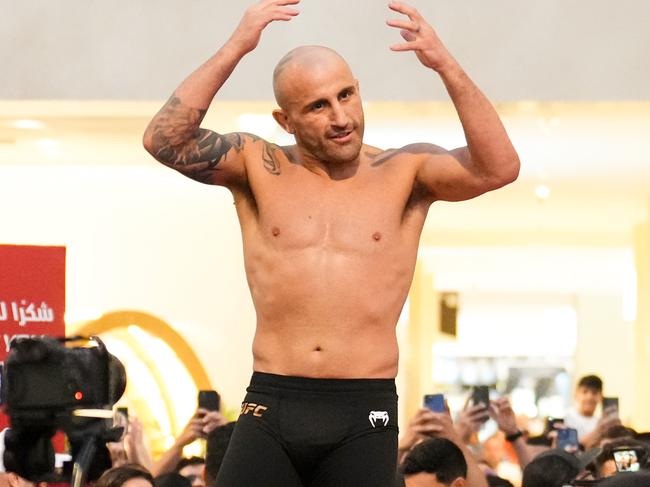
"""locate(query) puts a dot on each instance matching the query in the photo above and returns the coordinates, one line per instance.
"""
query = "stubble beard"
(329, 152)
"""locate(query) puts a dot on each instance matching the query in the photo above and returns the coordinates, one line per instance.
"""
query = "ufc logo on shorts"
(251, 407)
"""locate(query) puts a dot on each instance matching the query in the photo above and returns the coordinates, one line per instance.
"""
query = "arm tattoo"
(178, 140)
(422, 148)
(270, 162)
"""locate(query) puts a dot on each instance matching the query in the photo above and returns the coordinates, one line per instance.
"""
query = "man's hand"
(199, 426)
(192, 431)
(501, 411)
(211, 421)
(426, 424)
(257, 17)
(135, 445)
(470, 420)
(419, 428)
(420, 38)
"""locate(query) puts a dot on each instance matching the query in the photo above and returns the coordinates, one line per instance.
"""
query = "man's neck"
(332, 170)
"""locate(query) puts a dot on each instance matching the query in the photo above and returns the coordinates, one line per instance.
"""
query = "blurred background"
(525, 289)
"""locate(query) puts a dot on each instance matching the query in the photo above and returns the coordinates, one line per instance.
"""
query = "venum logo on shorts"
(376, 416)
(251, 407)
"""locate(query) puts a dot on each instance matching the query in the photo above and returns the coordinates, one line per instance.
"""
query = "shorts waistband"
(264, 379)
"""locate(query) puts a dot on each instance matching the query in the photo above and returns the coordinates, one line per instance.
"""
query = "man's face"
(587, 399)
(194, 473)
(425, 479)
(324, 111)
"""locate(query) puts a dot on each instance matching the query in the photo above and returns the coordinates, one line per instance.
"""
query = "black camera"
(43, 378)
(44, 385)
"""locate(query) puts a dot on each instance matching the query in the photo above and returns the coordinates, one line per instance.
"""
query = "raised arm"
(489, 161)
(174, 136)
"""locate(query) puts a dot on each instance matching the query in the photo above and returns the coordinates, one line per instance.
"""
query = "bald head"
(299, 61)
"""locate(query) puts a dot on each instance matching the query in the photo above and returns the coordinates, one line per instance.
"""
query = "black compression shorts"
(302, 432)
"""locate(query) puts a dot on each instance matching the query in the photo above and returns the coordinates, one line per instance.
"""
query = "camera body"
(42, 376)
(43, 383)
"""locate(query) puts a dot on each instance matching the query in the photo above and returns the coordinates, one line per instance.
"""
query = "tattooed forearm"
(177, 140)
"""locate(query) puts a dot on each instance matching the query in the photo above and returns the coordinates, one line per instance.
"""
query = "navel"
(275, 231)
(318, 349)
(376, 236)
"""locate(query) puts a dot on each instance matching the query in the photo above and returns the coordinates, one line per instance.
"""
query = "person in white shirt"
(582, 417)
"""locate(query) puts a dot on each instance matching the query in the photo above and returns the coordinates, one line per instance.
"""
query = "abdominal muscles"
(328, 312)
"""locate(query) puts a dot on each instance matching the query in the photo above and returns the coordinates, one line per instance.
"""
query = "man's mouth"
(342, 137)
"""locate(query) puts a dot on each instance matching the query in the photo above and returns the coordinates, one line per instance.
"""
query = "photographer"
(129, 475)
(427, 424)
(604, 465)
(199, 426)
(501, 411)
(10, 479)
(582, 417)
(132, 448)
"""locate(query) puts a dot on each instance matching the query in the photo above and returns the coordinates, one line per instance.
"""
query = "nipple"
(376, 236)
(275, 231)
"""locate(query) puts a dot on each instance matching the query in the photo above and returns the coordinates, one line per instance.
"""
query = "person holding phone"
(591, 427)
(427, 424)
(200, 425)
(330, 231)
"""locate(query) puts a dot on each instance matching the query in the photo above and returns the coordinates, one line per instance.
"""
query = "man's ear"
(459, 482)
(13, 480)
(283, 121)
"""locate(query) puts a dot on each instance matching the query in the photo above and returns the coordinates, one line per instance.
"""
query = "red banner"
(32, 294)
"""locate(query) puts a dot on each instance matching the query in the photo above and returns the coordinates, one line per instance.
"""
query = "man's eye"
(346, 94)
(317, 106)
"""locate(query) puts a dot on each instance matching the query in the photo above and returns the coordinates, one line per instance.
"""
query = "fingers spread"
(404, 24)
(282, 2)
(407, 46)
(403, 9)
(288, 11)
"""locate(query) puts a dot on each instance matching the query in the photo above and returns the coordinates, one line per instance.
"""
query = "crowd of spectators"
(435, 449)
(607, 453)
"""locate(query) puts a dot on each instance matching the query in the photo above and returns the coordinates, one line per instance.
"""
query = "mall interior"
(526, 289)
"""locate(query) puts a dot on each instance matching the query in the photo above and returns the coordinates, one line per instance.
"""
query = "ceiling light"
(29, 124)
(542, 192)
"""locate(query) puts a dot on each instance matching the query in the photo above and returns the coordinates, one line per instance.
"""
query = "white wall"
(545, 50)
(606, 347)
(142, 238)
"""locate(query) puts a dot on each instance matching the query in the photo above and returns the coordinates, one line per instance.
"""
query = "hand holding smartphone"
(567, 440)
(610, 406)
(481, 395)
(553, 424)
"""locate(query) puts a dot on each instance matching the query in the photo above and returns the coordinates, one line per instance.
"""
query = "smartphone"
(626, 459)
(567, 440)
(610, 402)
(435, 402)
(209, 400)
(481, 395)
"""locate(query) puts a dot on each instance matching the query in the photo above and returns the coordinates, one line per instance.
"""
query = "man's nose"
(339, 117)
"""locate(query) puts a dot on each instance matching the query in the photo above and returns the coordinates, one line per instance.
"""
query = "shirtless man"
(330, 232)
